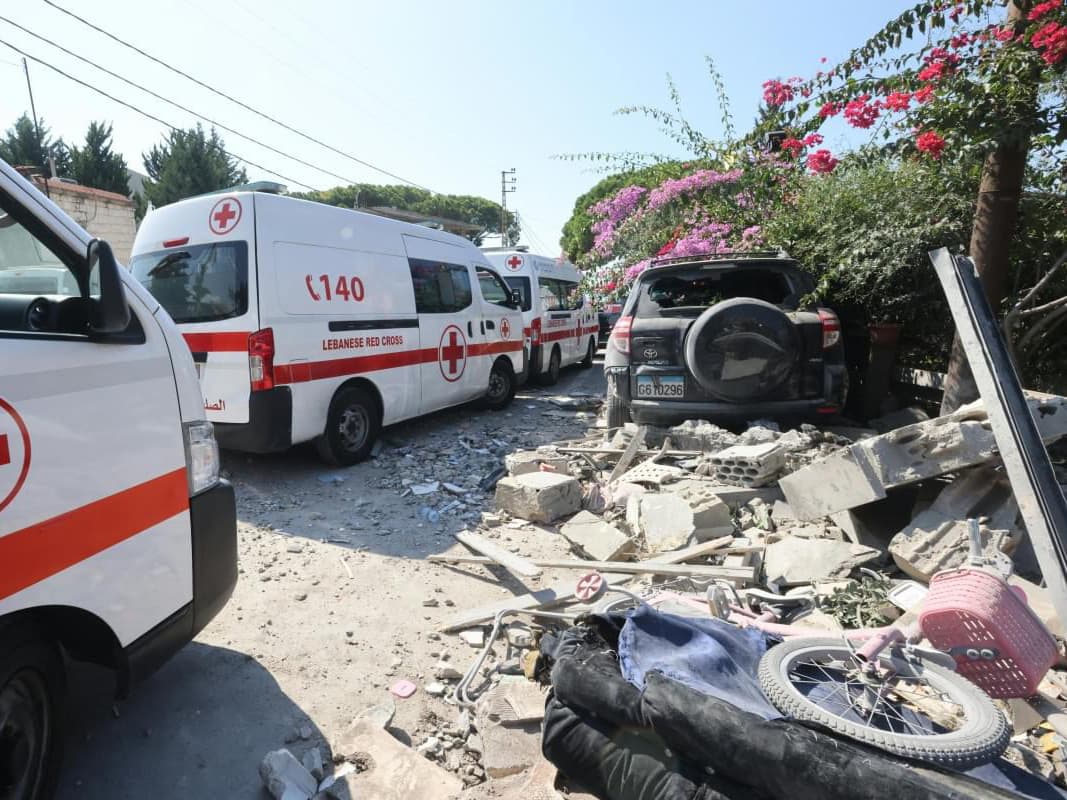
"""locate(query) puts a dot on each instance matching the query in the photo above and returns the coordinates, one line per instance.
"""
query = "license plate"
(660, 386)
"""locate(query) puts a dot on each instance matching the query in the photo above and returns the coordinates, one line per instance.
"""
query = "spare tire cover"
(742, 349)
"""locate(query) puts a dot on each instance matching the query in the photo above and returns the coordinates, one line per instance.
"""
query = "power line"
(146, 114)
(234, 99)
(187, 110)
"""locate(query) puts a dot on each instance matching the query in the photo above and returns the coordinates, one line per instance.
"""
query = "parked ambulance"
(118, 541)
(560, 323)
(309, 322)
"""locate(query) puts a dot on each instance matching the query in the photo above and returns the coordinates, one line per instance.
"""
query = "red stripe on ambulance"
(40, 551)
(222, 342)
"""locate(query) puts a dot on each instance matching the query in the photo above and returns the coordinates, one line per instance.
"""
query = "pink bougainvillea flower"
(829, 110)
(1004, 34)
(792, 146)
(635, 270)
(898, 101)
(813, 139)
(776, 93)
(860, 113)
(1041, 9)
(674, 188)
(961, 40)
(822, 162)
(822, 60)
(1051, 40)
(930, 143)
(954, 14)
(923, 95)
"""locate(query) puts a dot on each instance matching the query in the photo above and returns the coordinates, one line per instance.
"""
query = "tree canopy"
(20, 146)
(96, 164)
(187, 163)
(464, 208)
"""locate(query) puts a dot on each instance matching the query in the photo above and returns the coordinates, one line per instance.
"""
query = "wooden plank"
(648, 567)
(510, 561)
(629, 454)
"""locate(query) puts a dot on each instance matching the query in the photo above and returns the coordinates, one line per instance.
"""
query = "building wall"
(104, 217)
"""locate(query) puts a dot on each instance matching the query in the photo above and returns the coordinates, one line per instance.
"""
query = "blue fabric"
(706, 654)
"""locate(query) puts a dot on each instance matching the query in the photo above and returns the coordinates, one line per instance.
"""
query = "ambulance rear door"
(198, 259)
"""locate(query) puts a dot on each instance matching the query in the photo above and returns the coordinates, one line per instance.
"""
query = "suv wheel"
(618, 413)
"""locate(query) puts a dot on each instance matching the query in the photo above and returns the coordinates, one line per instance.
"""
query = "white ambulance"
(309, 322)
(118, 541)
(560, 323)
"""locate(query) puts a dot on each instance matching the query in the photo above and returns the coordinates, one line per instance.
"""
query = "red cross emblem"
(505, 328)
(589, 586)
(452, 354)
(14, 453)
(514, 262)
(224, 216)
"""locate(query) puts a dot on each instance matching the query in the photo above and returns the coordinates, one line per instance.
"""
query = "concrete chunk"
(749, 464)
(595, 538)
(712, 518)
(666, 521)
(523, 462)
(793, 561)
(285, 777)
(539, 496)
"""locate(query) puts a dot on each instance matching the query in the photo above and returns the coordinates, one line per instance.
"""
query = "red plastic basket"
(999, 644)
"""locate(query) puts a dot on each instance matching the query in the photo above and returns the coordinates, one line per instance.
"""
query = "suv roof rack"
(729, 255)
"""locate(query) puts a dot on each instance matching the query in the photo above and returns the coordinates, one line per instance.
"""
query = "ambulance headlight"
(201, 456)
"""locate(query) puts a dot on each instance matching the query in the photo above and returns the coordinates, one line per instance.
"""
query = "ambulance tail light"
(620, 334)
(201, 456)
(535, 331)
(261, 359)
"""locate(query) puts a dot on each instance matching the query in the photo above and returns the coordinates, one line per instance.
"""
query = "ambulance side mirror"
(110, 312)
(516, 298)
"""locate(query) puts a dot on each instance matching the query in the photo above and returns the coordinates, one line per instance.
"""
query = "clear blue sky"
(444, 94)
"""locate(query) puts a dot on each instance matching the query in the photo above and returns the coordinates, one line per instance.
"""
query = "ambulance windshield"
(199, 283)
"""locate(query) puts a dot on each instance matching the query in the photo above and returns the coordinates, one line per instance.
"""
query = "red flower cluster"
(829, 110)
(897, 101)
(792, 146)
(961, 40)
(923, 95)
(1041, 9)
(939, 63)
(860, 113)
(812, 139)
(776, 93)
(931, 143)
(1051, 40)
(1004, 34)
(822, 162)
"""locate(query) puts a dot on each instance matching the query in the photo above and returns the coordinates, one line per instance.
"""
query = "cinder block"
(539, 496)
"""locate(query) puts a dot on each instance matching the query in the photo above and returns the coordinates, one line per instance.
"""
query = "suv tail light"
(620, 334)
(261, 359)
(831, 328)
(535, 331)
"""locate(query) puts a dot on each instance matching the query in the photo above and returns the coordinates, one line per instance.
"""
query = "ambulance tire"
(352, 426)
(502, 386)
(551, 374)
(590, 354)
(33, 691)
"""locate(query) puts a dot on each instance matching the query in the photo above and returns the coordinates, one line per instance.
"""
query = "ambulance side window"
(440, 288)
(494, 290)
(550, 298)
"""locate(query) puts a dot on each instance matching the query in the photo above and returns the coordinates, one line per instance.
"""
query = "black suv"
(725, 338)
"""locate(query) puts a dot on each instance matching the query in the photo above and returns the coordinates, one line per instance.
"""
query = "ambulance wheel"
(590, 353)
(502, 385)
(32, 692)
(551, 375)
(351, 427)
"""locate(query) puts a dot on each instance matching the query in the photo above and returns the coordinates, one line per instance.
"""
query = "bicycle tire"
(982, 736)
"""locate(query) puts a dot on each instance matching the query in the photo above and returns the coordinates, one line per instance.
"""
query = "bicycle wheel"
(916, 710)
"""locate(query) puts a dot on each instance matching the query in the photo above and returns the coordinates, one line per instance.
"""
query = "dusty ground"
(328, 612)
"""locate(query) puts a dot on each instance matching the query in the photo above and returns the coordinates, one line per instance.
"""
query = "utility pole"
(507, 185)
(36, 125)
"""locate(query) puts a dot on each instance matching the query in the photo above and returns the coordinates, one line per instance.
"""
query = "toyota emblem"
(651, 353)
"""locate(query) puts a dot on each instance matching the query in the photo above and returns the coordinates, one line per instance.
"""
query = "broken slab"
(733, 496)
(285, 777)
(539, 496)
(523, 462)
(652, 473)
(864, 472)
(666, 521)
(793, 561)
(712, 518)
(597, 539)
(392, 771)
(698, 434)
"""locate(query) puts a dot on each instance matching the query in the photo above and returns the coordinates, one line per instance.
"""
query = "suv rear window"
(201, 283)
(692, 291)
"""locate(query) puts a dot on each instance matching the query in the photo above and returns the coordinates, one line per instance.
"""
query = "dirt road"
(333, 605)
